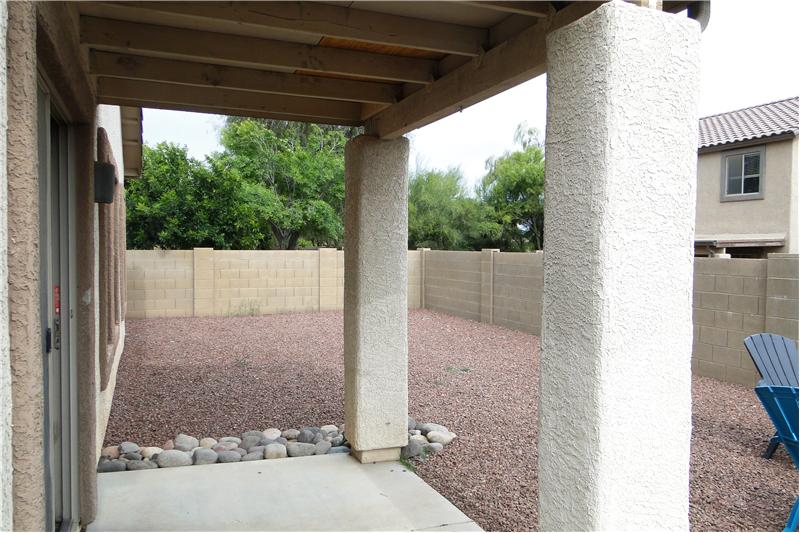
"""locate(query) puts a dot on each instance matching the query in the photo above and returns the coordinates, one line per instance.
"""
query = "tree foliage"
(514, 188)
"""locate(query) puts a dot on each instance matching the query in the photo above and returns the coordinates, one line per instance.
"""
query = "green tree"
(443, 217)
(514, 188)
(180, 203)
(296, 176)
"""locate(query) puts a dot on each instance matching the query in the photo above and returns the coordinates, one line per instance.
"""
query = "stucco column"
(615, 406)
(375, 303)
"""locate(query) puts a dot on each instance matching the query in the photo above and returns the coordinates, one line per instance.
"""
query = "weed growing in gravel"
(243, 361)
(458, 370)
(407, 464)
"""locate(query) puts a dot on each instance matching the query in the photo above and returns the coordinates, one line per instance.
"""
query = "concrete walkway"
(325, 493)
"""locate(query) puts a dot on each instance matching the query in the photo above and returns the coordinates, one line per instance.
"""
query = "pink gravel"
(222, 376)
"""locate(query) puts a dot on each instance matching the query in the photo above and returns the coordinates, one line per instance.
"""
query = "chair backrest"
(781, 404)
(775, 358)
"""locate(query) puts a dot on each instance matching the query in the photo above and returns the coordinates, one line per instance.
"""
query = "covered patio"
(621, 156)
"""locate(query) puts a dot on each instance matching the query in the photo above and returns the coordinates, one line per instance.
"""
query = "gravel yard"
(220, 376)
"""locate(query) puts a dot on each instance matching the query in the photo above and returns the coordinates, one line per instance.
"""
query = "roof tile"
(761, 121)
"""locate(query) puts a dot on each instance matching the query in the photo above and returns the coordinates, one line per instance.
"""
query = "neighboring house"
(747, 184)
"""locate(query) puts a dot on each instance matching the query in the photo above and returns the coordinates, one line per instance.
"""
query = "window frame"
(724, 196)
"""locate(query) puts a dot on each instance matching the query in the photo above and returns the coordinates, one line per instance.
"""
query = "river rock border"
(272, 443)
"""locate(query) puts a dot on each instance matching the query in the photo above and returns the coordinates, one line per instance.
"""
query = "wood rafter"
(307, 18)
(110, 64)
(530, 9)
(245, 51)
(148, 93)
(519, 59)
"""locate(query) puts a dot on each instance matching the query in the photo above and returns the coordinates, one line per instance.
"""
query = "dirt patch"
(220, 376)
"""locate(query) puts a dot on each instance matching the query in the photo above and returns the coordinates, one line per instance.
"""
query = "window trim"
(724, 196)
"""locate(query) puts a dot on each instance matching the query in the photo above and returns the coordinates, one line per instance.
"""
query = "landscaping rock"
(412, 449)
(204, 456)
(229, 456)
(252, 433)
(290, 434)
(419, 438)
(426, 428)
(281, 440)
(251, 440)
(322, 447)
(440, 437)
(112, 452)
(257, 449)
(113, 465)
(300, 449)
(275, 451)
(149, 451)
(306, 435)
(329, 428)
(208, 442)
(272, 433)
(141, 465)
(264, 441)
(415, 432)
(253, 456)
(185, 443)
(133, 456)
(241, 451)
(412, 424)
(337, 441)
(128, 447)
(237, 440)
(225, 446)
(433, 447)
(173, 458)
(339, 449)
(169, 445)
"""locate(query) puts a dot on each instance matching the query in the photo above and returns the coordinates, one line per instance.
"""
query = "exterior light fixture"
(105, 182)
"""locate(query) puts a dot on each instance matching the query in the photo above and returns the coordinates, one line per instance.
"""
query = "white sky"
(748, 54)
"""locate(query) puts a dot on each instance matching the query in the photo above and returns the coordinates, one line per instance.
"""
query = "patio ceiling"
(390, 66)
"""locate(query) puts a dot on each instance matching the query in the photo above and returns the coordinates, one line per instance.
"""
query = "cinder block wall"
(207, 282)
(729, 304)
(453, 283)
(517, 292)
(782, 290)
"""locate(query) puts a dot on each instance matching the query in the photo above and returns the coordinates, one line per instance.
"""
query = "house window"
(742, 174)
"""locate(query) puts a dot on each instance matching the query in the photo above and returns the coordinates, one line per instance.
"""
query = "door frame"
(60, 395)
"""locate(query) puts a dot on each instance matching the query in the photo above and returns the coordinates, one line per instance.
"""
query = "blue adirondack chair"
(781, 404)
(775, 358)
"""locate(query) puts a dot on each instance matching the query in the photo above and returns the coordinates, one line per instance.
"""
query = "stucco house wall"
(776, 212)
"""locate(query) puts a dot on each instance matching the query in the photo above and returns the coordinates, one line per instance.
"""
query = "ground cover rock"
(412, 449)
(149, 451)
(241, 451)
(440, 437)
(185, 443)
(412, 424)
(208, 442)
(225, 446)
(133, 456)
(300, 449)
(337, 441)
(112, 452)
(272, 433)
(251, 440)
(112, 465)
(237, 440)
(145, 464)
(322, 447)
(329, 428)
(274, 451)
(257, 449)
(128, 447)
(433, 447)
(173, 458)
(252, 433)
(306, 435)
(339, 449)
(257, 456)
(229, 456)
(290, 434)
(204, 456)
(419, 438)
(426, 428)
(169, 445)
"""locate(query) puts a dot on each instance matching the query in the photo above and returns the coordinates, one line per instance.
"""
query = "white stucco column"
(615, 407)
(375, 302)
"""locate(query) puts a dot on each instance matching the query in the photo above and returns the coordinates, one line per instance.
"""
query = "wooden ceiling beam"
(147, 93)
(309, 18)
(530, 9)
(245, 51)
(110, 64)
(517, 60)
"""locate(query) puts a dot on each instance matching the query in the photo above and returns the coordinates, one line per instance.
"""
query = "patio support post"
(615, 405)
(375, 302)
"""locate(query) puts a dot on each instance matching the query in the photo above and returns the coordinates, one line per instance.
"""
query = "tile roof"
(761, 121)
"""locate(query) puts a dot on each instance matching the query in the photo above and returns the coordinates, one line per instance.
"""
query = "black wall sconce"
(105, 182)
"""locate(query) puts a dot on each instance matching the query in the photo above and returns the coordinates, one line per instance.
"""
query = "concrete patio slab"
(325, 493)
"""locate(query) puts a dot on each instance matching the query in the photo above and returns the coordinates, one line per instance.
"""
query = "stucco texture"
(23, 270)
(776, 212)
(619, 221)
(6, 467)
(375, 287)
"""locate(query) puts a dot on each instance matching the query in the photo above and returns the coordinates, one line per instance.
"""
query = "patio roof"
(389, 66)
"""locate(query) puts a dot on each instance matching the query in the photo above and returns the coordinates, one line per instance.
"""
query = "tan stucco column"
(615, 386)
(375, 302)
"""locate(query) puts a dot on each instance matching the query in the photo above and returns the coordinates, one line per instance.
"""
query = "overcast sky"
(748, 57)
